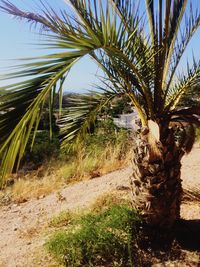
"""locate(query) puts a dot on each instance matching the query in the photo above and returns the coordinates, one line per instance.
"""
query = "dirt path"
(20, 224)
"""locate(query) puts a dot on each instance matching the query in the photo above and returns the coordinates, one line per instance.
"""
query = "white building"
(126, 121)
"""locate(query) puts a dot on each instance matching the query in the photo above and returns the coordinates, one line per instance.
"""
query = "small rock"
(122, 188)
(15, 229)
(95, 174)
(15, 211)
(10, 182)
(22, 200)
(41, 197)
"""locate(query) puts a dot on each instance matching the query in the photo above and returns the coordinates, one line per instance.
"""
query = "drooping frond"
(191, 98)
(124, 48)
(49, 20)
(21, 106)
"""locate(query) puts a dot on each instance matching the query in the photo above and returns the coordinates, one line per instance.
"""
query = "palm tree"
(141, 60)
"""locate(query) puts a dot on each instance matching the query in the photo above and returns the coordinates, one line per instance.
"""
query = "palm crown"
(138, 60)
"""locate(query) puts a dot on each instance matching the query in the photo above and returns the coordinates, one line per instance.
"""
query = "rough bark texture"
(156, 181)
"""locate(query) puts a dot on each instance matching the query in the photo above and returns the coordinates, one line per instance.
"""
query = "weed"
(59, 196)
(107, 237)
(65, 218)
(106, 200)
(5, 199)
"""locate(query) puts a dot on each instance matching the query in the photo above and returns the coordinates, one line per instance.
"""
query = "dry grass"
(30, 233)
(64, 219)
(106, 200)
(31, 186)
(55, 174)
(40, 257)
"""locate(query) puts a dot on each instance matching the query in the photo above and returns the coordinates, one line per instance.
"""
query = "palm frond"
(192, 23)
(121, 44)
(151, 16)
(20, 109)
(176, 15)
(81, 115)
(185, 83)
(48, 19)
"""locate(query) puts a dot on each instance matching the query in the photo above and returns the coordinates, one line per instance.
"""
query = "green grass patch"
(94, 239)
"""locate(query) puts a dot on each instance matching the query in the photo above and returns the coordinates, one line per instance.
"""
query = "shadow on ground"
(161, 247)
(187, 234)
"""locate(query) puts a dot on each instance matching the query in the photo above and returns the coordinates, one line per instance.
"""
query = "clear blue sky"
(16, 39)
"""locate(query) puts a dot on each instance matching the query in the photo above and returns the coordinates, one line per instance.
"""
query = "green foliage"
(119, 106)
(43, 149)
(105, 134)
(191, 98)
(108, 237)
(45, 123)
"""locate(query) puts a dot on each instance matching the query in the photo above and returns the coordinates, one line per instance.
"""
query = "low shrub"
(42, 150)
(107, 238)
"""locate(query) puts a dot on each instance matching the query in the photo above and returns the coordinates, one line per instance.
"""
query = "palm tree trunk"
(156, 183)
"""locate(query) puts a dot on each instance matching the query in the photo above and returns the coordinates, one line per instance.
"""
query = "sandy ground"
(21, 224)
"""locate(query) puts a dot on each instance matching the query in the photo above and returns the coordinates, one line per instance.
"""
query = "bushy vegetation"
(106, 149)
(120, 105)
(43, 150)
(97, 238)
(106, 135)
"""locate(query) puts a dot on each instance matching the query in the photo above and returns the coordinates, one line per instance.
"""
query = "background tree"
(138, 61)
